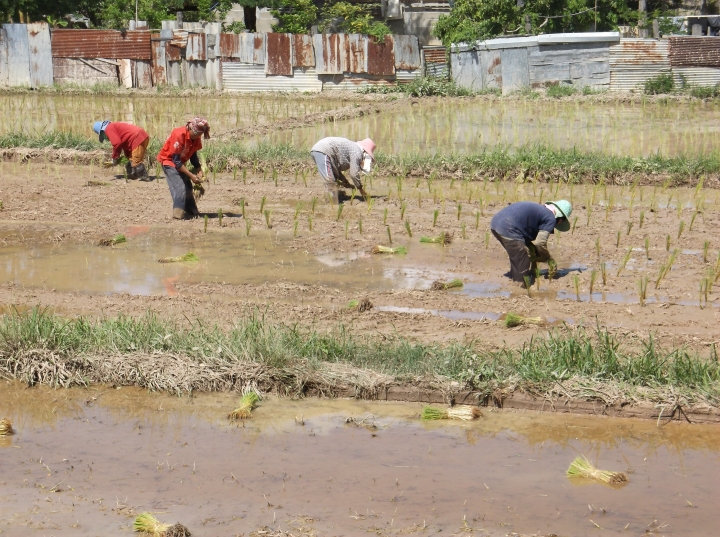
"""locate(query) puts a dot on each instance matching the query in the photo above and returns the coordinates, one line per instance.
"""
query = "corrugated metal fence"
(598, 60)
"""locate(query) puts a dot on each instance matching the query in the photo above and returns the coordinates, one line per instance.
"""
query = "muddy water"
(83, 461)
(470, 127)
(34, 114)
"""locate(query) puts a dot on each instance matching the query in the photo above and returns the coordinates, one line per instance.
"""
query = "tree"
(353, 19)
(296, 16)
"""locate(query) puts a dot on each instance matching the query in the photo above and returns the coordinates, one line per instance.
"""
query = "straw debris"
(6, 427)
(187, 257)
(582, 467)
(459, 412)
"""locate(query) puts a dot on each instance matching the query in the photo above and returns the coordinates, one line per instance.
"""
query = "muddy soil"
(52, 221)
(85, 462)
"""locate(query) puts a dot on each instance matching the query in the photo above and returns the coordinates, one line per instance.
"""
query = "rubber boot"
(140, 172)
(129, 171)
(179, 214)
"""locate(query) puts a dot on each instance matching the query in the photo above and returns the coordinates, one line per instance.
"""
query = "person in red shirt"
(131, 140)
(182, 145)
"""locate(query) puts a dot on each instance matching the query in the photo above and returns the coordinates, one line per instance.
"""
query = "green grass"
(560, 90)
(421, 87)
(53, 139)
(38, 347)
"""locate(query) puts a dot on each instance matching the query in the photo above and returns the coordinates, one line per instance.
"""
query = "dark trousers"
(181, 191)
(521, 265)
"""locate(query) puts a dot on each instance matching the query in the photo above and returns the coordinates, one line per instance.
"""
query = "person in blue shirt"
(523, 228)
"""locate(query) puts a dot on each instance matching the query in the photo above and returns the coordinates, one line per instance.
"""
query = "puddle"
(82, 458)
(472, 126)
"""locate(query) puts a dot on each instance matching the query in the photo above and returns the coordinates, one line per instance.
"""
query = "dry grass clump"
(513, 319)
(177, 530)
(361, 305)
(459, 412)
(379, 249)
(147, 523)
(444, 238)
(117, 239)
(187, 257)
(452, 284)
(581, 467)
(6, 427)
(244, 409)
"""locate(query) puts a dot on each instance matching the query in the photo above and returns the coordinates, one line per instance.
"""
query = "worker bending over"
(335, 155)
(131, 140)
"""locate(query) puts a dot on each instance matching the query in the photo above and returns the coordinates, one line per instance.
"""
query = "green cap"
(565, 208)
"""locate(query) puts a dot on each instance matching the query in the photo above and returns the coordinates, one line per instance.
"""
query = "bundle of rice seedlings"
(6, 427)
(187, 257)
(452, 284)
(244, 409)
(581, 467)
(513, 319)
(147, 523)
(117, 239)
(198, 191)
(361, 305)
(444, 238)
(459, 412)
(379, 249)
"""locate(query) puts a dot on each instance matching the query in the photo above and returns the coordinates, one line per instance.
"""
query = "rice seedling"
(629, 227)
(419, 201)
(603, 273)
(624, 261)
(477, 220)
(589, 214)
(642, 289)
(552, 269)
(298, 208)
(97, 183)
(667, 243)
(205, 223)
(267, 214)
(313, 203)
(706, 246)
(262, 204)
(573, 225)
(198, 191)
(389, 234)
(310, 222)
(245, 177)
(147, 523)
(705, 284)
(436, 213)
(275, 177)
(6, 427)
(444, 238)
(220, 217)
(189, 257)
(459, 412)
(462, 230)
(459, 210)
(593, 279)
(528, 285)
(642, 219)
(681, 227)
(482, 207)
(692, 220)
(360, 226)
(235, 170)
(581, 467)
(248, 225)
(576, 285)
(513, 319)
(244, 409)
(407, 228)
(487, 240)
(117, 239)
(346, 229)
(339, 212)
(452, 284)
(295, 228)
(379, 249)
(385, 213)
(370, 206)
(617, 240)
(403, 208)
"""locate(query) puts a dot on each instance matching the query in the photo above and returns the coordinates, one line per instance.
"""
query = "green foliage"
(296, 16)
(234, 27)
(117, 13)
(660, 84)
(421, 87)
(705, 92)
(353, 19)
(560, 90)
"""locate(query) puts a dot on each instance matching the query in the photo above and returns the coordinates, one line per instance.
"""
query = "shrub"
(660, 84)
(560, 90)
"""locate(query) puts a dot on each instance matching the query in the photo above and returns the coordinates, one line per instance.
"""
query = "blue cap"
(99, 128)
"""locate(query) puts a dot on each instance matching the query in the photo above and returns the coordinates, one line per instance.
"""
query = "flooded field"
(33, 114)
(469, 127)
(85, 462)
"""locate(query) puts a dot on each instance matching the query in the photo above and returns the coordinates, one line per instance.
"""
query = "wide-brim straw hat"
(368, 146)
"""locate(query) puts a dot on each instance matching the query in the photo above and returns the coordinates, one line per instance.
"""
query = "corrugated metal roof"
(243, 77)
(279, 54)
(329, 53)
(579, 37)
(407, 52)
(303, 51)
(356, 53)
(134, 45)
(196, 47)
(634, 61)
(696, 76)
(380, 56)
(695, 51)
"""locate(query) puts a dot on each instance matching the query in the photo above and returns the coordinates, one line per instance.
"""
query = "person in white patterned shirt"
(335, 155)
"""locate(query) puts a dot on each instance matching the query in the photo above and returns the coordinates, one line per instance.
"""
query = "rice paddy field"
(112, 361)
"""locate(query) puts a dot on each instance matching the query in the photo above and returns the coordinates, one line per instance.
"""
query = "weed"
(560, 90)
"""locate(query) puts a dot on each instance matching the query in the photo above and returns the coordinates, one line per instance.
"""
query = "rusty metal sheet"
(356, 53)
(134, 45)
(229, 45)
(634, 61)
(303, 51)
(3, 57)
(142, 70)
(159, 67)
(41, 73)
(196, 47)
(694, 51)
(259, 55)
(18, 55)
(407, 52)
(179, 38)
(381, 56)
(279, 54)
(435, 55)
(329, 53)
(247, 47)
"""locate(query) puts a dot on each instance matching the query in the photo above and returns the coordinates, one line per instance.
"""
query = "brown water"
(83, 461)
(470, 127)
(33, 114)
